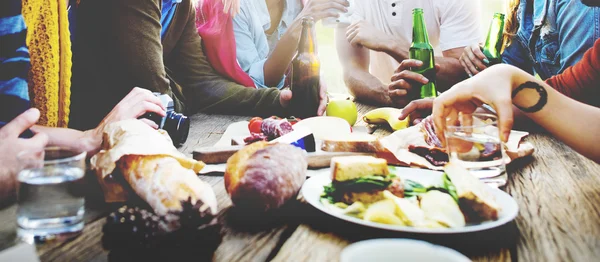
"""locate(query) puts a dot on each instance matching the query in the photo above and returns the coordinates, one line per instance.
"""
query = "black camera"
(177, 125)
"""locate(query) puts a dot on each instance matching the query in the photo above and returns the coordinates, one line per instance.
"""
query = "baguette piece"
(475, 199)
(353, 142)
(353, 167)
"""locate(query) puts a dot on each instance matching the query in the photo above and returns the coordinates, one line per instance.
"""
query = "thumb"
(437, 67)
(505, 119)
(285, 96)
(21, 123)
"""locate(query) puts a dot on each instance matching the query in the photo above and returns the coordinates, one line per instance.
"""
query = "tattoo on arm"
(542, 99)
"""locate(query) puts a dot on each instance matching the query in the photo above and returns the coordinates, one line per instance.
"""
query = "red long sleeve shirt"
(581, 81)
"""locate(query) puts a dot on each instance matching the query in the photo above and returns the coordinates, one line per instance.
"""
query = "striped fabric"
(14, 61)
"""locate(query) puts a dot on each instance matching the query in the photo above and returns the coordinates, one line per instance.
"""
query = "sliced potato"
(382, 212)
(442, 208)
(355, 209)
(406, 210)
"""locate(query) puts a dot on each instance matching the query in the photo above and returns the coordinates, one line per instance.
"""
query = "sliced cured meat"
(435, 156)
(273, 128)
(255, 137)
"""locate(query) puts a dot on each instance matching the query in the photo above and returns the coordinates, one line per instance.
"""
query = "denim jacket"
(552, 35)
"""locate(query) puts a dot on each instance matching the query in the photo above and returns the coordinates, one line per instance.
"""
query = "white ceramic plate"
(388, 250)
(313, 188)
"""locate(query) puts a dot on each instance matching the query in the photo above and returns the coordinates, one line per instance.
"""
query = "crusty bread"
(352, 167)
(353, 142)
(476, 200)
(363, 197)
(263, 176)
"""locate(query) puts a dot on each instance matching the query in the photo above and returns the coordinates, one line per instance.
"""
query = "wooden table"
(558, 192)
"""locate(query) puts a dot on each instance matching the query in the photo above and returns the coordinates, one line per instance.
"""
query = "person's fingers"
(21, 123)
(37, 142)
(476, 61)
(469, 65)
(505, 117)
(354, 39)
(410, 76)
(462, 63)
(408, 109)
(320, 15)
(439, 117)
(397, 93)
(149, 122)
(479, 54)
(139, 94)
(437, 67)
(407, 64)
(285, 96)
(147, 107)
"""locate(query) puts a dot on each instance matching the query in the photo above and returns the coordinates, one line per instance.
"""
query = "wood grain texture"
(557, 191)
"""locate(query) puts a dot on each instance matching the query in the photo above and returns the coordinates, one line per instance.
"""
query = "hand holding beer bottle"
(476, 58)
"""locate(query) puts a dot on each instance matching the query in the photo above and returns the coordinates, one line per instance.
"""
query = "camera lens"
(178, 127)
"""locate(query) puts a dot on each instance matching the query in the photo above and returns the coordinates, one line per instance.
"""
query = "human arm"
(355, 65)
(540, 102)
(138, 102)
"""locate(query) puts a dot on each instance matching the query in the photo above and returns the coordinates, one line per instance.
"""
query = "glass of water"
(343, 20)
(473, 141)
(50, 195)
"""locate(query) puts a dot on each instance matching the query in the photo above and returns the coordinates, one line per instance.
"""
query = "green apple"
(345, 109)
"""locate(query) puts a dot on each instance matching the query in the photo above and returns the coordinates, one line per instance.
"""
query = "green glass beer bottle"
(493, 43)
(420, 49)
(305, 84)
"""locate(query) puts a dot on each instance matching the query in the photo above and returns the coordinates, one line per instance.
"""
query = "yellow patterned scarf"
(48, 40)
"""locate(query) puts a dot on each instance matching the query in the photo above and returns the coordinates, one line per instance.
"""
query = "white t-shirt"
(450, 24)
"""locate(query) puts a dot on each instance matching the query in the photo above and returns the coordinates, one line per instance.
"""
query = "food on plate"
(366, 188)
(361, 179)
(264, 176)
(352, 142)
(387, 115)
(267, 129)
(343, 108)
(158, 173)
(475, 199)
(441, 208)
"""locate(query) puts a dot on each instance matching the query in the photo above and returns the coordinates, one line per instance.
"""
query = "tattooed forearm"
(531, 104)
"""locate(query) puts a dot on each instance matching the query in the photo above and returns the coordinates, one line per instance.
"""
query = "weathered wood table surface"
(557, 190)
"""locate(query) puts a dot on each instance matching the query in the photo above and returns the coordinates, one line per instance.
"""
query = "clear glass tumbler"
(473, 141)
(50, 195)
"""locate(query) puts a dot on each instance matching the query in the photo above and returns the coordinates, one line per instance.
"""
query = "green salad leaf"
(335, 190)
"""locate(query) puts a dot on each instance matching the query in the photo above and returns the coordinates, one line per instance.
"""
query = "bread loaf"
(264, 176)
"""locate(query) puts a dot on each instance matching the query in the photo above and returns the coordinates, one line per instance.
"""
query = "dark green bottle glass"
(493, 43)
(421, 49)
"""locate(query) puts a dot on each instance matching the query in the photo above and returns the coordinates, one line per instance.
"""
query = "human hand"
(138, 102)
(320, 9)
(362, 33)
(417, 110)
(11, 145)
(473, 60)
(405, 83)
(465, 97)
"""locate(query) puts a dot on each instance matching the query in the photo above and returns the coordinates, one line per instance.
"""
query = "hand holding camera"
(177, 125)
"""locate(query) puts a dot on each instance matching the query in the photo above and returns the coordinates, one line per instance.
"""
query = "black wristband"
(541, 91)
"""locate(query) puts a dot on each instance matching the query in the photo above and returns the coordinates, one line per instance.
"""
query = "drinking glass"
(473, 141)
(50, 196)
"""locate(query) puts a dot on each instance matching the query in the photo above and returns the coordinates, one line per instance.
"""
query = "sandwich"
(474, 197)
(361, 179)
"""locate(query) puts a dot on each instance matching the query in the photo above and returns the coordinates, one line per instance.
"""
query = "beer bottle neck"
(493, 42)
(307, 43)
(419, 28)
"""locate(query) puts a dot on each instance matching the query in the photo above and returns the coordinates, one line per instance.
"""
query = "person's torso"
(394, 17)
(556, 33)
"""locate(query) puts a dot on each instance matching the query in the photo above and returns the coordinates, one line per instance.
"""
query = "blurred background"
(331, 71)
